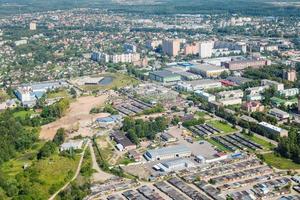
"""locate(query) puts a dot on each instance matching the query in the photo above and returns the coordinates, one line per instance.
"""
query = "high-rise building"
(32, 26)
(206, 49)
(290, 75)
(171, 47)
(191, 49)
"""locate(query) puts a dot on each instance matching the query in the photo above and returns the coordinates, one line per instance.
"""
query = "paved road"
(76, 174)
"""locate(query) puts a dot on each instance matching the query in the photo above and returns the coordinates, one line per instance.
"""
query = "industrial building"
(71, 145)
(28, 94)
(203, 84)
(122, 141)
(105, 122)
(243, 64)
(277, 131)
(169, 152)
(279, 114)
(205, 96)
(185, 75)
(164, 76)
(207, 70)
(174, 165)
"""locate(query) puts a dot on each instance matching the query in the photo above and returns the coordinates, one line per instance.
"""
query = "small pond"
(106, 80)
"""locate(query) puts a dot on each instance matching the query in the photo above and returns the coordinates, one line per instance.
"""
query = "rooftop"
(164, 73)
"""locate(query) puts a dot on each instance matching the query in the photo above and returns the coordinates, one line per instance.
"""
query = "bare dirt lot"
(78, 115)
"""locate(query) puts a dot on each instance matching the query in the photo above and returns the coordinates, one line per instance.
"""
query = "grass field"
(61, 93)
(56, 170)
(119, 81)
(265, 144)
(279, 162)
(105, 148)
(22, 114)
(226, 128)
(52, 172)
(15, 166)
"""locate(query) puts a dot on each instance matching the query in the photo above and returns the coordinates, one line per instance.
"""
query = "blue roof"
(186, 64)
(108, 119)
(39, 94)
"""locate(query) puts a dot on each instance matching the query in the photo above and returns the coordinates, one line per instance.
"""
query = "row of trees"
(289, 147)
(137, 129)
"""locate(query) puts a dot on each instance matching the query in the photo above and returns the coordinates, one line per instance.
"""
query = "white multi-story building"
(171, 47)
(276, 85)
(203, 84)
(206, 49)
(230, 94)
(289, 92)
(205, 96)
(125, 58)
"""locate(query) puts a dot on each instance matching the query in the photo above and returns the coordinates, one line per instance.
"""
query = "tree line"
(137, 129)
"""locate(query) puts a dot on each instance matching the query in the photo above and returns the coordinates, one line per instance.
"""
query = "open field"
(22, 114)
(61, 93)
(15, 166)
(226, 128)
(119, 80)
(279, 162)
(56, 170)
(52, 172)
(78, 115)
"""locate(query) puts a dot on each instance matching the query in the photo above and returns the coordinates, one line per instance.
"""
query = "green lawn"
(226, 128)
(54, 170)
(201, 114)
(61, 93)
(22, 114)
(119, 81)
(125, 160)
(279, 162)
(265, 144)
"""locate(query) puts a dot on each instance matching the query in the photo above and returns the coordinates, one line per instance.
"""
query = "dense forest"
(289, 147)
(245, 7)
(137, 129)
(14, 136)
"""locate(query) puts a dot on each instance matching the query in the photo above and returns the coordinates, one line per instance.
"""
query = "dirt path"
(99, 175)
(78, 115)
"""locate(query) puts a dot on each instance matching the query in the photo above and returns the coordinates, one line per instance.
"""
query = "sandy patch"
(77, 116)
